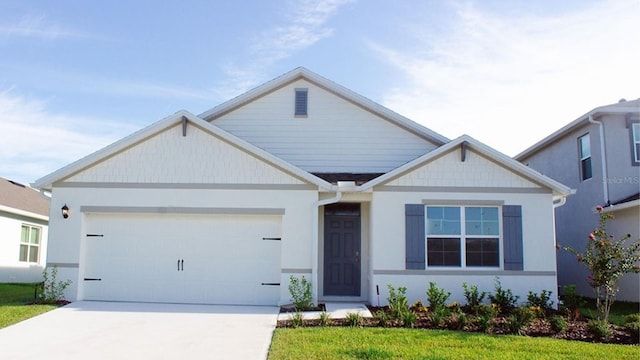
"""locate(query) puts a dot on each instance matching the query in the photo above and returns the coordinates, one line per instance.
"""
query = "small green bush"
(631, 318)
(558, 323)
(381, 317)
(437, 297)
(300, 290)
(438, 315)
(632, 324)
(543, 301)
(408, 318)
(599, 329)
(52, 289)
(485, 322)
(397, 302)
(297, 319)
(473, 296)
(504, 299)
(520, 317)
(456, 321)
(354, 319)
(324, 319)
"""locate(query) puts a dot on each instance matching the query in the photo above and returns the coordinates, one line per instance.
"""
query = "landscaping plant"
(398, 303)
(607, 260)
(300, 290)
(53, 289)
(572, 302)
(503, 299)
(473, 296)
(437, 297)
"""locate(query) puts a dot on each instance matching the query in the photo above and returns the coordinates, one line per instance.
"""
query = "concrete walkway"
(106, 330)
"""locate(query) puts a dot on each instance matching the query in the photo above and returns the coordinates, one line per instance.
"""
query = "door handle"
(182, 265)
(178, 264)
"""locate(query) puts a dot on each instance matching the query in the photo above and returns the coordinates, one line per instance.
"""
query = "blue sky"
(78, 75)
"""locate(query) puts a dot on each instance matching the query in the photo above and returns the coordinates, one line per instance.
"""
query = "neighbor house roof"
(18, 198)
(46, 182)
(328, 85)
(558, 189)
(622, 107)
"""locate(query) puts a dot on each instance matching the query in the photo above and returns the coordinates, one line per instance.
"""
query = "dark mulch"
(290, 308)
(576, 330)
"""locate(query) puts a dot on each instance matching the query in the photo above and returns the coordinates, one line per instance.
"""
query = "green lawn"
(14, 300)
(395, 343)
(618, 310)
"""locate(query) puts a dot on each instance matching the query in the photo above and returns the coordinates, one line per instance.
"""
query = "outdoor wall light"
(65, 211)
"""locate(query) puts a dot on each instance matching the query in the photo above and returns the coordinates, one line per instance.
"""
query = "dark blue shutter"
(301, 102)
(414, 236)
(512, 235)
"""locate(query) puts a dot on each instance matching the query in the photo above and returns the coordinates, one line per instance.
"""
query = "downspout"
(603, 155)
(315, 240)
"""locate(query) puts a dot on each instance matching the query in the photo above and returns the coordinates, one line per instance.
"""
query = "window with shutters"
(635, 143)
(30, 243)
(301, 102)
(463, 236)
(584, 150)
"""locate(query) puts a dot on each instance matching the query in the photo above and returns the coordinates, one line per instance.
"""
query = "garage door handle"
(182, 265)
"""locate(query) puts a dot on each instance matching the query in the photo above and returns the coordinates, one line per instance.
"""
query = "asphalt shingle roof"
(18, 196)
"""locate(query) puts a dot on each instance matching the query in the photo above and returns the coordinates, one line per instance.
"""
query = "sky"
(77, 75)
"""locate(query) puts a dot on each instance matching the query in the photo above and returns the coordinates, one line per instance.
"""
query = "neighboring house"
(24, 216)
(298, 177)
(598, 154)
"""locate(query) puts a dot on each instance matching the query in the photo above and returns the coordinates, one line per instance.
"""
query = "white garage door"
(210, 259)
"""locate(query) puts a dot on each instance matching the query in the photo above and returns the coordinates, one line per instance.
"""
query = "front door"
(342, 250)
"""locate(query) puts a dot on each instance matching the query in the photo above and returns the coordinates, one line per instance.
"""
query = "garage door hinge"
(95, 235)
(271, 238)
(271, 284)
(92, 279)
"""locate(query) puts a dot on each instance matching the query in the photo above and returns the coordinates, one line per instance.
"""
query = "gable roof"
(47, 181)
(16, 196)
(559, 190)
(622, 107)
(328, 85)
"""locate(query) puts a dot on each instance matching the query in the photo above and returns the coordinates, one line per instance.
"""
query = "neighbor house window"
(301, 103)
(460, 236)
(584, 148)
(30, 244)
(635, 142)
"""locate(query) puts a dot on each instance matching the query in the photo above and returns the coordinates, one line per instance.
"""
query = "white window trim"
(28, 244)
(635, 129)
(462, 237)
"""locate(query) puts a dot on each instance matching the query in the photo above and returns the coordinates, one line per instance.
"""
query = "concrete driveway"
(112, 330)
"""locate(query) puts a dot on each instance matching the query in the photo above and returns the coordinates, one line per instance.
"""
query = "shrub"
(543, 301)
(438, 315)
(571, 301)
(297, 319)
(397, 301)
(558, 323)
(485, 321)
(354, 319)
(53, 290)
(473, 296)
(436, 297)
(599, 328)
(456, 321)
(503, 299)
(381, 317)
(520, 317)
(300, 290)
(632, 324)
(408, 318)
(324, 319)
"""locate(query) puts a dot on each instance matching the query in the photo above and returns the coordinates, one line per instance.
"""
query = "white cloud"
(39, 27)
(37, 142)
(511, 80)
(305, 24)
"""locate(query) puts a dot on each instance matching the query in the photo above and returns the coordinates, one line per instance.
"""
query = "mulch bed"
(576, 330)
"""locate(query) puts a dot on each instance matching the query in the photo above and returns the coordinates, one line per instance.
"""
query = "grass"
(618, 310)
(395, 343)
(14, 304)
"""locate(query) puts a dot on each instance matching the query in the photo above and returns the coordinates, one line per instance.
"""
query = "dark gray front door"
(342, 249)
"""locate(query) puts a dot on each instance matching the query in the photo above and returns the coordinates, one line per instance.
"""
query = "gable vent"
(302, 97)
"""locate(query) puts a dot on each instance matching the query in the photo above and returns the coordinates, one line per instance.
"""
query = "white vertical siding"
(336, 136)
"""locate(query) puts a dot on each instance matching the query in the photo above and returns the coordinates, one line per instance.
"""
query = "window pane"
(33, 254)
(586, 169)
(443, 252)
(25, 234)
(24, 249)
(443, 220)
(35, 235)
(637, 154)
(481, 221)
(636, 132)
(585, 147)
(482, 252)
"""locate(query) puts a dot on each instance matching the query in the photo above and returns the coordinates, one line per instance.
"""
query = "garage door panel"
(225, 258)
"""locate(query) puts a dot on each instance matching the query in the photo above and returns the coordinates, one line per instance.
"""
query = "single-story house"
(24, 219)
(298, 177)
